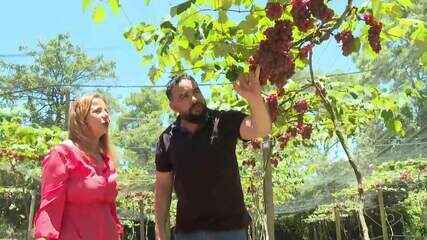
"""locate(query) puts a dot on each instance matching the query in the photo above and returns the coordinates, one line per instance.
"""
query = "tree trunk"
(363, 225)
(67, 108)
(343, 142)
(337, 223)
(268, 189)
(316, 236)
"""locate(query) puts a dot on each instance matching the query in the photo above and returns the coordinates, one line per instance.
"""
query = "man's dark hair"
(175, 80)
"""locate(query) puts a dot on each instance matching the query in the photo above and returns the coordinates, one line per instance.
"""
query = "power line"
(402, 144)
(90, 49)
(399, 144)
(125, 14)
(164, 86)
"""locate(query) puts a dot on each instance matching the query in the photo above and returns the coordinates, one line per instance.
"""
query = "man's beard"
(197, 118)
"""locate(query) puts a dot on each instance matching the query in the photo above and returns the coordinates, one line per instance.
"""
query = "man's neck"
(191, 127)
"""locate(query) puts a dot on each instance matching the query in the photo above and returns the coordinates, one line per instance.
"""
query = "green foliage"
(47, 85)
(139, 125)
(398, 177)
(22, 147)
(98, 8)
(13, 211)
(416, 209)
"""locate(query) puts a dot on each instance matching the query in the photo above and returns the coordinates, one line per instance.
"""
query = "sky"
(24, 23)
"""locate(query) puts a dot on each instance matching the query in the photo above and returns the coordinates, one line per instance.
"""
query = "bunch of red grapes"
(303, 53)
(274, 10)
(373, 32)
(348, 40)
(273, 106)
(301, 128)
(273, 54)
(303, 10)
(301, 106)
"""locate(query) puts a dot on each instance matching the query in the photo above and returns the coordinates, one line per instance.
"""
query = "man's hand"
(248, 85)
(162, 199)
(258, 124)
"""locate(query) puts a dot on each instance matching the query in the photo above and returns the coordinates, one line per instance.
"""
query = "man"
(196, 155)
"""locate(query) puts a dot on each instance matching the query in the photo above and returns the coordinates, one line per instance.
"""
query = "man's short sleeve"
(231, 121)
(163, 163)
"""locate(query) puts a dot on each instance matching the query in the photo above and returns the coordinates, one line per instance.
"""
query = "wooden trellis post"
(31, 215)
(382, 214)
(337, 223)
(141, 220)
(268, 188)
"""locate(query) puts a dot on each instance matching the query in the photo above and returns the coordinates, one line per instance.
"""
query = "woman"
(79, 188)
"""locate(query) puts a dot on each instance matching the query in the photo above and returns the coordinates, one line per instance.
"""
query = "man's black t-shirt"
(206, 175)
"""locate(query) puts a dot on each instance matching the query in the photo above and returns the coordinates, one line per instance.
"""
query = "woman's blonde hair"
(77, 124)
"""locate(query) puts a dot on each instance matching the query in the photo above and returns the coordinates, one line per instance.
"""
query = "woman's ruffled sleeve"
(48, 218)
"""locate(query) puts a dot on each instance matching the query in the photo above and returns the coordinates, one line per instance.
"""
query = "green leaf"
(233, 73)
(167, 25)
(405, 3)
(85, 5)
(249, 24)
(182, 42)
(224, 4)
(356, 45)
(199, 64)
(147, 2)
(419, 36)
(206, 29)
(354, 95)
(190, 34)
(222, 16)
(419, 85)
(398, 31)
(398, 128)
(147, 59)
(208, 75)
(387, 116)
(197, 52)
(180, 8)
(98, 15)
(376, 7)
(424, 60)
(154, 73)
(221, 49)
(114, 5)
(301, 63)
(392, 9)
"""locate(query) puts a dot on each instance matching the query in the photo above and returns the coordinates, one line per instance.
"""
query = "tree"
(138, 126)
(139, 123)
(48, 84)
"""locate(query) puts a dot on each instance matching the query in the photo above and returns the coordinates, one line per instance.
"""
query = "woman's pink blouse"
(78, 199)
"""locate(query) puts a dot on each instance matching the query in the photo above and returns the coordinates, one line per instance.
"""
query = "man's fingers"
(251, 77)
(240, 78)
(257, 71)
(243, 81)
(236, 86)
